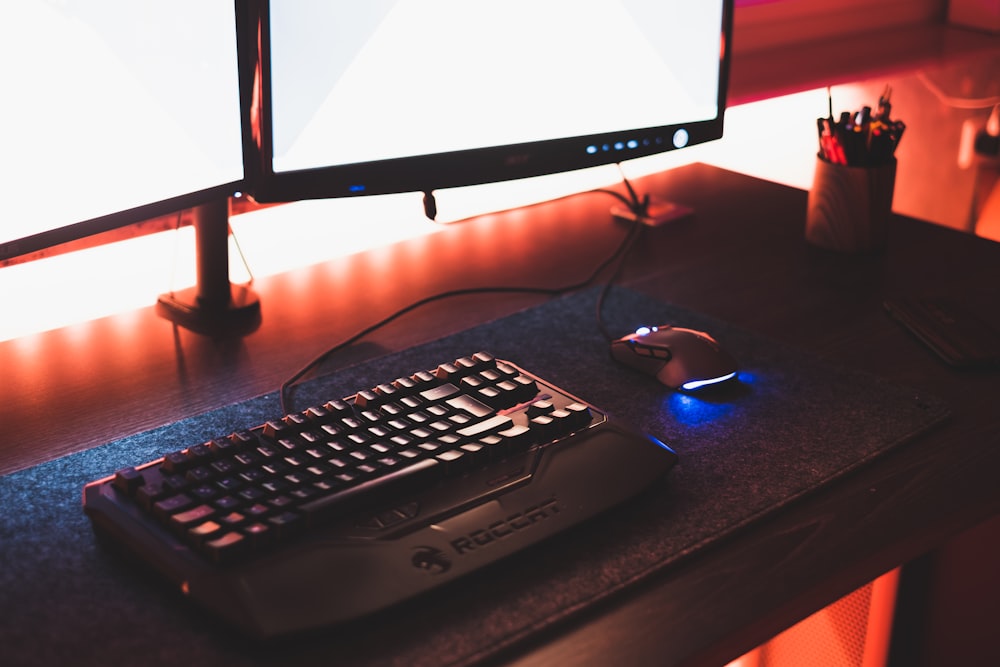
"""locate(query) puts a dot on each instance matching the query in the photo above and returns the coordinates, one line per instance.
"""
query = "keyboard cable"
(619, 255)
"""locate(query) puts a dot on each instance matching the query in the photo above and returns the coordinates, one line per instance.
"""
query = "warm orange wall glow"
(118, 277)
(772, 139)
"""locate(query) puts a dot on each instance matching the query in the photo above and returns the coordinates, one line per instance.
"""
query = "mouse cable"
(606, 288)
(619, 254)
(639, 207)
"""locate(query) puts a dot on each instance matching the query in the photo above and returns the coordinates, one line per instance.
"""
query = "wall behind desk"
(776, 138)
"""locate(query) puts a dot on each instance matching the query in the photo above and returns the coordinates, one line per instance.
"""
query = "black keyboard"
(350, 506)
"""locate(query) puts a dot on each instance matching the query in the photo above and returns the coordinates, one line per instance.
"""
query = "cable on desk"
(619, 255)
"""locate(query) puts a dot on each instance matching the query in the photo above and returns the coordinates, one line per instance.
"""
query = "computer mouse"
(679, 358)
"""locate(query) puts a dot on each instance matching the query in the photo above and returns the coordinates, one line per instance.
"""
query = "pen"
(884, 106)
(830, 147)
(866, 137)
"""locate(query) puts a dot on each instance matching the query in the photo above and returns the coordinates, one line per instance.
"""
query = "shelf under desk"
(741, 259)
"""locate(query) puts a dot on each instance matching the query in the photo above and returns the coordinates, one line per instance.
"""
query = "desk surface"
(741, 258)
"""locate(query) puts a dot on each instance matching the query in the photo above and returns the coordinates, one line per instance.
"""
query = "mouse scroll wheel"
(660, 353)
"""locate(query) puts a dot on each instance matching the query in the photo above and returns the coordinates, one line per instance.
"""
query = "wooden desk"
(741, 258)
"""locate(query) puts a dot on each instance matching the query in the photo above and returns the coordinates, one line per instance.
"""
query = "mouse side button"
(629, 354)
(660, 353)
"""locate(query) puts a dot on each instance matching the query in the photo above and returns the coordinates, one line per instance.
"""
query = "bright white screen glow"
(112, 104)
(354, 82)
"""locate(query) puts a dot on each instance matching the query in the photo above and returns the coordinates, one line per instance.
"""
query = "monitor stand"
(653, 213)
(214, 306)
(645, 210)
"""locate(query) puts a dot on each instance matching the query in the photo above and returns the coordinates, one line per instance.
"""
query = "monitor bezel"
(52, 241)
(431, 172)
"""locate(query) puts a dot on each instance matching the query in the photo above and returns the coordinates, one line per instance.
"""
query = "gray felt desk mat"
(798, 423)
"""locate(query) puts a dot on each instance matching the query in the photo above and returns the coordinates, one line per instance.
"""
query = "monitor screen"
(413, 95)
(114, 111)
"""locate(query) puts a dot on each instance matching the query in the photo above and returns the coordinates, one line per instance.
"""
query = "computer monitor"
(115, 112)
(359, 98)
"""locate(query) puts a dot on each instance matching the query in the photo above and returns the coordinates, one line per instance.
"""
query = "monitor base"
(237, 317)
(214, 306)
(653, 214)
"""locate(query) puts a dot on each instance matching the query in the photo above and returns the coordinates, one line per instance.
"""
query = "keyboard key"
(285, 523)
(454, 461)
(201, 532)
(544, 427)
(581, 415)
(175, 462)
(243, 439)
(439, 393)
(338, 408)
(128, 480)
(260, 534)
(200, 454)
(540, 408)
(226, 547)
(484, 359)
(172, 504)
(231, 520)
(470, 405)
(223, 446)
(187, 518)
(491, 425)
(517, 438)
(448, 371)
(367, 398)
(275, 429)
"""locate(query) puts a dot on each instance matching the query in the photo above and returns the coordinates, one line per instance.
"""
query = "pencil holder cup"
(850, 206)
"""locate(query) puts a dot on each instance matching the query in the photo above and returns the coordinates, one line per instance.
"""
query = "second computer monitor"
(406, 95)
